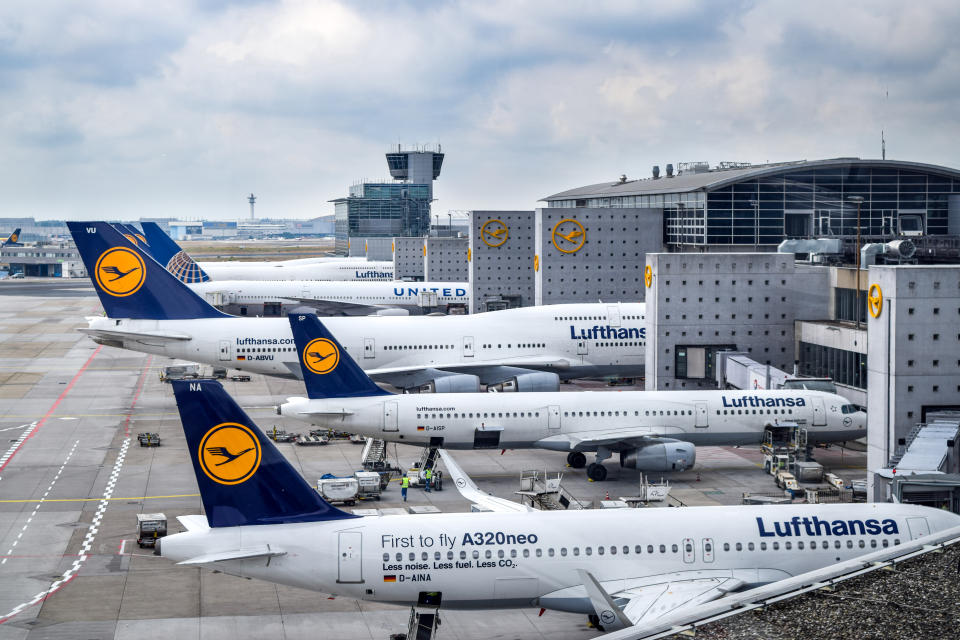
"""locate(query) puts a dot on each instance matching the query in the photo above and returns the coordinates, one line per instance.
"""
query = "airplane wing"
(640, 604)
(469, 490)
(263, 551)
(614, 439)
(135, 335)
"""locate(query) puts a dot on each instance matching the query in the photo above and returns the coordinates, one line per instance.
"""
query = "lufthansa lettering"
(608, 333)
(816, 527)
(757, 401)
(380, 275)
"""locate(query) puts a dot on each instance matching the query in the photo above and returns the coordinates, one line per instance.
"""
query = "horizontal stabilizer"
(136, 335)
(193, 522)
(239, 554)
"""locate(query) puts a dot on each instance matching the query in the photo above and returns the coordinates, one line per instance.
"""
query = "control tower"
(386, 209)
(417, 165)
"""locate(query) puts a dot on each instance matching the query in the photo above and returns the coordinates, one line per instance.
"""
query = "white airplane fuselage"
(545, 338)
(563, 421)
(503, 560)
(233, 294)
(340, 269)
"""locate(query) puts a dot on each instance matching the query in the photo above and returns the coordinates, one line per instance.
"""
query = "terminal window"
(697, 361)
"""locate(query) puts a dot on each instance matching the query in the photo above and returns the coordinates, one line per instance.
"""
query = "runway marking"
(40, 503)
(8, 456)
(23, 426)
(177, 495)
(88, 539)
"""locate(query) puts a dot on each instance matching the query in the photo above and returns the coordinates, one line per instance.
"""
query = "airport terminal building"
(744, 207)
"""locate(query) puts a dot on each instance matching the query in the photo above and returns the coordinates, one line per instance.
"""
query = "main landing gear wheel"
(576, 460)
(597, 472)
(594, 621)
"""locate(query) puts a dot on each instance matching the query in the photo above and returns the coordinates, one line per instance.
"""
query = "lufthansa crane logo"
(131, 238)
(494, 233)
(14, 237)
(120, 271)
(648, 276)
(875, 300)
(229, 453)
(568, 236)
(321, 356)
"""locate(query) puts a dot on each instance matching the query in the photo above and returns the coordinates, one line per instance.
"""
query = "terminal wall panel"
(500, 259)
(594, 254)
(700, 303)
(408, 258)
(913, 361)
(371, 248)
(445, 260)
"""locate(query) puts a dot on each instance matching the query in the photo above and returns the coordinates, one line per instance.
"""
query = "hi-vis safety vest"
(428, 474)
(405, 483)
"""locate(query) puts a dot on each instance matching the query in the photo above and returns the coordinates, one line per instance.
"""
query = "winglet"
(469, 489)
(610, 615)
(243, 478)
(328, 370)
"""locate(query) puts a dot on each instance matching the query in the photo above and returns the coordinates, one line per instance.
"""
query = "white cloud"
(113, 110)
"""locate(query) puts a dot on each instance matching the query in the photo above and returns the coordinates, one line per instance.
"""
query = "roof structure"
(717, 178)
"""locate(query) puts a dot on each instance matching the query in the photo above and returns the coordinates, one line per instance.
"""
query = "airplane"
(12, 239)
(620, 567)
(329, 297)
(649, 430)
(168, 253)
(526, 349)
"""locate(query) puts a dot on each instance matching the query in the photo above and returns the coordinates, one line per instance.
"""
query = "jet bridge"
(737, 370)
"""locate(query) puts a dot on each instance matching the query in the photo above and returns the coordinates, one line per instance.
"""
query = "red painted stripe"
(136, 395)
(53, 408)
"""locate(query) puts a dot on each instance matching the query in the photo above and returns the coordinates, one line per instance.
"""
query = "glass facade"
(841, 366)
(382, 210)
(798, 203)
(845, 303)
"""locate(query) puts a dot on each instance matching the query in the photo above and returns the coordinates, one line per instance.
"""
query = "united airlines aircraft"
(619, 566)
(649, 430)
(261, 297)
(529, 349)
(168, 253)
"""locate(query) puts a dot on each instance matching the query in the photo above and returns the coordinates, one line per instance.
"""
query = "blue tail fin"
(136, 238)
(328, 370)
(131, 284)
(170, 255)
(243, 479)
(13, 239)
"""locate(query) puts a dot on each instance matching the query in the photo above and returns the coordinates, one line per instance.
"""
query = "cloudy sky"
(173, 108)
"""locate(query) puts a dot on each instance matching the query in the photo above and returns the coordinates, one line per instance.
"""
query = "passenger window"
(787, 546)
(726, 546)
(750, 546)
(800, 544)
(436, 555)
(600, 551)
(539, 553)
(674, 548)
(588, 551)
(550, 552)
(739, 547)
(500, 553)
(763, 546)
(563, 551)
(526, 553)
(488, 554)
(513, 553)
(776, 546)
(463, 555)
(849, 544)
(626, 549)
(576, 551)
(386, 557)
(862, 544)
(476, 555)
(663, 548)
(413, 556)
(449, 555)
(613, 550)
(649, 548)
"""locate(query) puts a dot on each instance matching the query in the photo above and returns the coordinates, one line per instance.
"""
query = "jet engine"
(457, 383)
(666, 455)
(533, 381)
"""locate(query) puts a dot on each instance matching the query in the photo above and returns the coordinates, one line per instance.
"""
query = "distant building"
(390, 209)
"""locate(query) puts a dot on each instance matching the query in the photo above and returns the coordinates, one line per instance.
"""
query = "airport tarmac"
(73, 477)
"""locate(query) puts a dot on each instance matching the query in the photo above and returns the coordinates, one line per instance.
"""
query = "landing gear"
(576, 460)
(597, 472)
(594, 621)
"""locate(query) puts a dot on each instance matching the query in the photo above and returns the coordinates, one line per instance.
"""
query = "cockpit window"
(849, 408)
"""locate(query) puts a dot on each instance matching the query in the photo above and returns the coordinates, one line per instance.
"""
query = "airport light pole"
(859, 201)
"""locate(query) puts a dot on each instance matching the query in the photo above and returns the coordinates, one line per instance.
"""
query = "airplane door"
(689, 553)
(581, 347)
(225, 350)
(553, 417)
(708, 549)
(350, 558)
(389, 416)
(819, 413)
(467, 346)
(613, 315)
(702, 415)
(369, 348)
(918, 527)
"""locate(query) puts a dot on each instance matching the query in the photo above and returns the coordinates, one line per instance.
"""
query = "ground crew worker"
(404, 485)
(427, 475)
